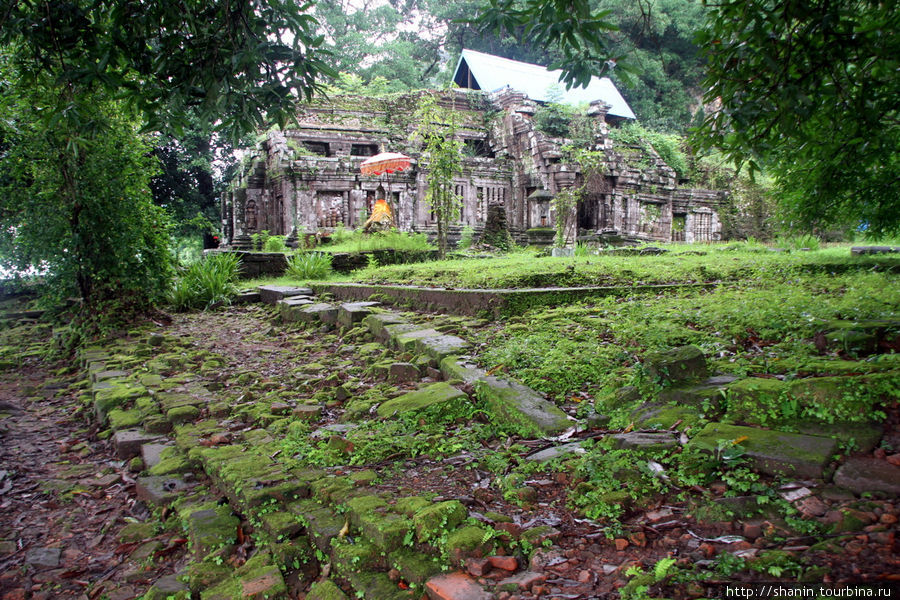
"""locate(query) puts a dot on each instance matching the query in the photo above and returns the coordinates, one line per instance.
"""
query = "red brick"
(524, 580)
(478, 566)
(507, 563)
(455, 586)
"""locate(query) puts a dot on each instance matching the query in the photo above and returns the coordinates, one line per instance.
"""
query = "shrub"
(466, 238)
(798, 242)
(309, 265)
(206, 283)
(274, 243)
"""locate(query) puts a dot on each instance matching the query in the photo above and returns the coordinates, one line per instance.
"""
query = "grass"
(206, 283)
(683, 264)
(356, 241)
(309, 266)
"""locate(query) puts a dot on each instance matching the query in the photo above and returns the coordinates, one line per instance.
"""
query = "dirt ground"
(68, 506)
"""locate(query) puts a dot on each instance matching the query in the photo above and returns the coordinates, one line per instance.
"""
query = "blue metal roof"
(492, 73)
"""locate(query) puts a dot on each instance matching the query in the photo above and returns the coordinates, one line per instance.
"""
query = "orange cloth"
(381, 216)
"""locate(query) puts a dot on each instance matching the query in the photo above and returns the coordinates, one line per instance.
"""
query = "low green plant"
(805, 241)
(466, 238)
(274, 243)
(309, 265)
(205, 283)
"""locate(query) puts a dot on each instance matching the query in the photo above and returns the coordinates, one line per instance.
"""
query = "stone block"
(271, 294)
(414, 566)
(772, 452)
(455, 586)
(406, 340)
(211, 529)
(866, 474)
(648, 442)
(160, 490)
(443, 394)
(441, 346)
(677, 364)
(246, 297)
(321, 524)
(325, 590)
(377, 322)
(151, 453)
(324, 312)
(307, 412)
(351, 313)
(403, 372)
(863, 250)
(565, 450)
(128, 442)
(520, 408)
(452, 367)
(290, 307)
(432, 520)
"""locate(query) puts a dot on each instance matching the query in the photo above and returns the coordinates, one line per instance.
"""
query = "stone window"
(363, 150)
(478, 148)
(320, 148)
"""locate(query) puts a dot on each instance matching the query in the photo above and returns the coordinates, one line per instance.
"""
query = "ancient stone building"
(307, 178)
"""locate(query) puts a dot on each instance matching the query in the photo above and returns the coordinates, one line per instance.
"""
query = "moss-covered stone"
(677, 364)
(281, 525)
(414, 567)
(363, 505)
(124, 419)
(322, 525)
(115, 393)
(157, 424)
(358, 556)
(325, 590)
(772, 452)
(182, 414)
(203, 575)
(752, 400)
(172, 460)
(410, 505)
(378, 586)
(211, 528)
(521, 409)
(136, 532)
(432, 521)
(470, 541)
(387, 531)
(446, 400)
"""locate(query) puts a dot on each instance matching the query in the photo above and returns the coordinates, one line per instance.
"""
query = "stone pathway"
(212, 416)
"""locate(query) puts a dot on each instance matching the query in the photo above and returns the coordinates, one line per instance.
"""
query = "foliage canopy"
(808, 89)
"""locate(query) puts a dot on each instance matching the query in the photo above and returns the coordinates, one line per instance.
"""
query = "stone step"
(271, 294)
(351, 313)
(771, 452)
(446, 398)
(520, 408)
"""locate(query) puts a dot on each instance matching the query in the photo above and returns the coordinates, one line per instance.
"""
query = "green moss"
(410, 505)
(432, 521)
(136, 532)
(182, 414)
(469, 541)
(172, 460)
(446, 400)
(325, 590)
(203, 575)
(123, 419)
(387, 531)
(354, 557)
(414, 566)
(363, 505)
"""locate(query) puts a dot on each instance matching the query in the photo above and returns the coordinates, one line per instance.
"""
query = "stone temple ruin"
(307, 178)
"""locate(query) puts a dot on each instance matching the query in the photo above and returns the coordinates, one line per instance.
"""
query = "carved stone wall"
(307, 179)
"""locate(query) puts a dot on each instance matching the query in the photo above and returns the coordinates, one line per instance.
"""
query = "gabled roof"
(491, 73)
